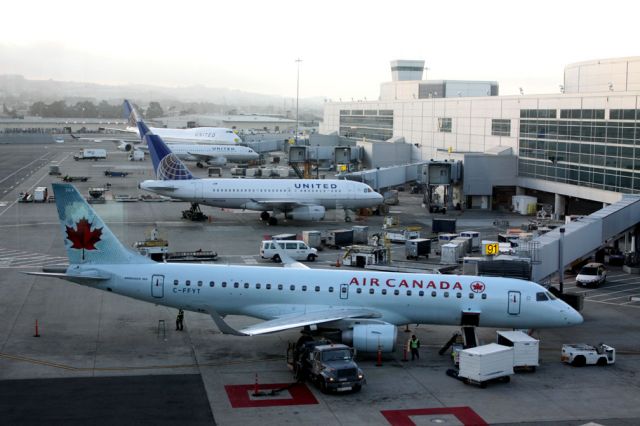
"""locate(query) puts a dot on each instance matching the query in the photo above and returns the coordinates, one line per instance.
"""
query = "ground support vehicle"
(330, 366)
(113, 173)
(91, 154)
(68, 178)
(297, 250)
(581, 354)
(592, 275)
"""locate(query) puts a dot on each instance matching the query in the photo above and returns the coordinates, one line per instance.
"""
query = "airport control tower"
(405, 70)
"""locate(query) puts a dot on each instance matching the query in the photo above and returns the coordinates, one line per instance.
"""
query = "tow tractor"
(329, 365)
(581, 354)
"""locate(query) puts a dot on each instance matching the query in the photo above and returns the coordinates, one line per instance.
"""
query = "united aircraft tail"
(86, 237)
(130, 114)
(165, 163)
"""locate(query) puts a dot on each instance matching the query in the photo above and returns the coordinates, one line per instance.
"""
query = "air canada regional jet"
(365, 305)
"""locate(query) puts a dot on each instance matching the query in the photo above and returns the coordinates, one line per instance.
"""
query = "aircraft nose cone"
(573, 317)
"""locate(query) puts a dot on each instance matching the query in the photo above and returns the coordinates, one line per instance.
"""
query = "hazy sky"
(345, 45)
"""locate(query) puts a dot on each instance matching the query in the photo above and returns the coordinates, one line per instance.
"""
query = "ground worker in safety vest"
(179, 319)
(414, 345)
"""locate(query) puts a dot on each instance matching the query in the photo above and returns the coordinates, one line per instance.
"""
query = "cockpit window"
(541, 297)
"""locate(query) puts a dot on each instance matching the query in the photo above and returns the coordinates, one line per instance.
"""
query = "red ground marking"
(465, 415)
(240, 395)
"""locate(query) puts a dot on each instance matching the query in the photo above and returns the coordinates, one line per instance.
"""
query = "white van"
(297, 250)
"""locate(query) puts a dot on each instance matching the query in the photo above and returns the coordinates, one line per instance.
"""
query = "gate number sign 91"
(491, 249)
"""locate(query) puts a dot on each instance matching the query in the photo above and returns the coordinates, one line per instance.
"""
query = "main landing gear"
(266, 217)
(194, 213)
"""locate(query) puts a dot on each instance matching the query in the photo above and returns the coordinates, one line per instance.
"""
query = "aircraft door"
(514, 303)
(344, 291)
(157, 286)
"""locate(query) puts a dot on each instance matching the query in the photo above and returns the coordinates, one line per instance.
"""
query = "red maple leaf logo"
(477, 287)
(83, 237)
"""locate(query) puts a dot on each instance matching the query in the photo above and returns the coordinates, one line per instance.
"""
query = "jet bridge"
(585, 236)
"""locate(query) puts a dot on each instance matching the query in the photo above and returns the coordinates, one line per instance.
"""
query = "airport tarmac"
(102, 358)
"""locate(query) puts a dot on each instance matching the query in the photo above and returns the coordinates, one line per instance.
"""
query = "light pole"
(297, 96)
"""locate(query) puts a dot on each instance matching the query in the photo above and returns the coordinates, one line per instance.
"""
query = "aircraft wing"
(114, 129)
(283, 204)
(114, 140)
(204, 157)
(287, 322)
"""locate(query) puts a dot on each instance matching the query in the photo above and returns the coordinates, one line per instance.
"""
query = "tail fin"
(86, 237)
(130, 114)
(165, 162)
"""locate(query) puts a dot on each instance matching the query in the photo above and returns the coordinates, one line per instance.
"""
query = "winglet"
(222, 325)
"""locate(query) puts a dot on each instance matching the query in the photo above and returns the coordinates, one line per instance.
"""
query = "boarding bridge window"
(444, 124)
(212, 284)
(175, 282)
(384, 291)
(187, 283)
(500, 127)
(541, 297)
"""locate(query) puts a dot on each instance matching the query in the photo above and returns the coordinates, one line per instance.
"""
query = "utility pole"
(297, 97)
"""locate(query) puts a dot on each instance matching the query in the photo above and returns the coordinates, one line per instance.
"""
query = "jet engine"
(306, 213)
(125, 146)
(367, 337)
(217, 161)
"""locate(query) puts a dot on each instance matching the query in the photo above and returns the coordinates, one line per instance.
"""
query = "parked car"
(592, 274)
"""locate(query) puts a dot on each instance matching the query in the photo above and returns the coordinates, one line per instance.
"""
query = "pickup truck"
(329, 365)
(580, 354)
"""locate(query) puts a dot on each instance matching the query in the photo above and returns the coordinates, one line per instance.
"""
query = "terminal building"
(575, 150)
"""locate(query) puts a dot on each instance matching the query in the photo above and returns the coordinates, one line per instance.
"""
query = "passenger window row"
(292, 287)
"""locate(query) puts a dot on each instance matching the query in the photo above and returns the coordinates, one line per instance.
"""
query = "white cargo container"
(40, 194)
(475, 239)
(312, 238)
(525, 348)
(484, 363)
(465, 242)
(524, 204)
(451, 253)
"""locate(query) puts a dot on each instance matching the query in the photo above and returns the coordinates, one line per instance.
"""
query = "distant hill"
(19, 88)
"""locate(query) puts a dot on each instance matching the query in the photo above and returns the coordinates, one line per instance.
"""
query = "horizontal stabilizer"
(80, 279)
(287, 322)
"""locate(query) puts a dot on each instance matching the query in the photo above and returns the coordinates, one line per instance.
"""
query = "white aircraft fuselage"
(264, 194)
(266, 293)
(202, 135)
(200, 152)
